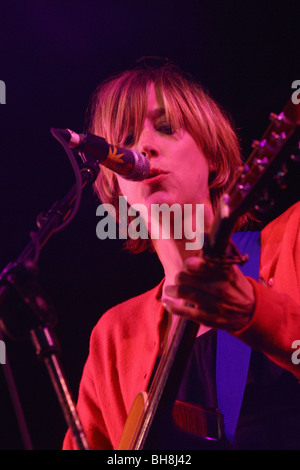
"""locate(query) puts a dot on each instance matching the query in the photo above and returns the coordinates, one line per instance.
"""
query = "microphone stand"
(18, 281)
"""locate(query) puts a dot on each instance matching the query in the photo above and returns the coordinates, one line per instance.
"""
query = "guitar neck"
(266, 158)
(164, 388)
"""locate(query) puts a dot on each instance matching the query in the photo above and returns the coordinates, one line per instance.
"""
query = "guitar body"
(189, 427)
(133, 421)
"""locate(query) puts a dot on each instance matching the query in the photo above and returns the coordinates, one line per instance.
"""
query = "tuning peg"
(296, 157)
(280, 177)
(243, 188)
(259, 143)
(278, 137)
(277, 118)
(261, 162)
(274, 117)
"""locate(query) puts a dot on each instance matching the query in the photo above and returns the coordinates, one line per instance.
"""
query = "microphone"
(127, 163)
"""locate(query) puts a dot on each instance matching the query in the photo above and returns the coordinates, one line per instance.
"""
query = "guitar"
(154, 412)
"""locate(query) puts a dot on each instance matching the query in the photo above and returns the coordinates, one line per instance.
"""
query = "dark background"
(52, 56)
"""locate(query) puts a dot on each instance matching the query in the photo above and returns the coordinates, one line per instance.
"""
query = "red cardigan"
(125, 342)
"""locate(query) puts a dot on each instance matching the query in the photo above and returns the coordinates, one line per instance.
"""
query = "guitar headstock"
(253, 176)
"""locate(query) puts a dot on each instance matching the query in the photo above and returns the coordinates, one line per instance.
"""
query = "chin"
(161, 197)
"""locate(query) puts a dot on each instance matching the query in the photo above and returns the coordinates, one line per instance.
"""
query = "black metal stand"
(37, 319)
(47, 349)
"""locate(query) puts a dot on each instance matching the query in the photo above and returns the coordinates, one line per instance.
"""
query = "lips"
(155, 175)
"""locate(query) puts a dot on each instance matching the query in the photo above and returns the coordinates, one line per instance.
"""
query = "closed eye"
(129, 140)
(165, 128)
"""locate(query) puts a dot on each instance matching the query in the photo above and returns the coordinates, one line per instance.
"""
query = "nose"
(147, 145)
(149, 151)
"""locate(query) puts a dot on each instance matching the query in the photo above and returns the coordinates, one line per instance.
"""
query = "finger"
(218, 301)
(196, 314)
(200, 316)
(195, 291)
(204, 300)
(205, 283)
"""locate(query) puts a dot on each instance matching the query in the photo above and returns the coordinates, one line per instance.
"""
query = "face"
(179, 170)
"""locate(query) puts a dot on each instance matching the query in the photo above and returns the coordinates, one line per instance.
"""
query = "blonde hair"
(118, 109)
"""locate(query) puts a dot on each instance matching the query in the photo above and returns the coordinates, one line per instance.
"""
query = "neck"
(172, 252)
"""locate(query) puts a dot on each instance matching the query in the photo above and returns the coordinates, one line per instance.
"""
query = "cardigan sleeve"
(274, 327)
(275, 324)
